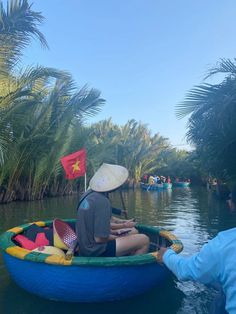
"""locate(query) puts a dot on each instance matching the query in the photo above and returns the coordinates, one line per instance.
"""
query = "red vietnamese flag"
(74, 164)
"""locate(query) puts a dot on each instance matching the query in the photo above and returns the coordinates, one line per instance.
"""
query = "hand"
(123, 232)
(129, 224)
(161, 253)
(132, 220)
(112, 237)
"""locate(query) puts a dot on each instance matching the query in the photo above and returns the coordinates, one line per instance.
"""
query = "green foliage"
(43, 116)
(42, 112)
(130, 145)
(18, 25)
(182, 164)
(211, 126)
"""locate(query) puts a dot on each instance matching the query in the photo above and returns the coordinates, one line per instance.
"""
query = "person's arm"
(121, 225)
(202, 267)
(119, 220)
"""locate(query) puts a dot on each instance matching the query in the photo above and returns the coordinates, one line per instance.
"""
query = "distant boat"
(151, 187)
(147, 187)
(167, 185)
(181, 184)
(156, 186)
(87, 279)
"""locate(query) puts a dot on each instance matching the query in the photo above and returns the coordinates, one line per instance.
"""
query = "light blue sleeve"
(202, 267)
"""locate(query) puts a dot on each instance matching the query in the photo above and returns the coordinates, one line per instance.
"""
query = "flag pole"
(85, 182)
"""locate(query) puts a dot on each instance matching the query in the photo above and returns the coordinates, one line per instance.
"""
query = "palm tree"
(130, 145)
(211, 125)
(50, 130)
(42, 112)
(18, 25)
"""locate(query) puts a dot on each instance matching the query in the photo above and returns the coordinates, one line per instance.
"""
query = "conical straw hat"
(108, 177)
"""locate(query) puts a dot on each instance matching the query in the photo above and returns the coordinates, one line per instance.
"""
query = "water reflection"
(22, 212)
(191, 214)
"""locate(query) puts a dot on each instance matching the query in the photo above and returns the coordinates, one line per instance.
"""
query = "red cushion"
(41, 239)
(25, 242)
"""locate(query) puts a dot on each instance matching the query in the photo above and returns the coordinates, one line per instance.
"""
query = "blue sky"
(143, 55)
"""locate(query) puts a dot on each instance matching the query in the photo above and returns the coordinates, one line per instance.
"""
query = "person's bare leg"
(132, 244)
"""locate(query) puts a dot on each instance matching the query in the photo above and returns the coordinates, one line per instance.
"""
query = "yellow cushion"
(52, 250)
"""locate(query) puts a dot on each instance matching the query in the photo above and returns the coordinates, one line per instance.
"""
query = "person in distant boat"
(151, 180)
(168, 179)
(230, 202)
(93, 225)
(155, 178)
(145, 178)
(214, 265)
(163, 179)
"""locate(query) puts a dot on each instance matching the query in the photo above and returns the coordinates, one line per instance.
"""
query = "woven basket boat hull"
(96, 279)
(84, 284)
(153, 187)
(167, 185)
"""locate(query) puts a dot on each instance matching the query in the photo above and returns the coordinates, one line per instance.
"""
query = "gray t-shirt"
(93, 220)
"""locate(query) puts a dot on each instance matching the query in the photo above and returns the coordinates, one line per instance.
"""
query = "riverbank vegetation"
(211, 125)
(44, 116)
(41, 112)
(134, 146)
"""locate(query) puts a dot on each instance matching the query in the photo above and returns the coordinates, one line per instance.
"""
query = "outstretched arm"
(202, 267)
(122, 224)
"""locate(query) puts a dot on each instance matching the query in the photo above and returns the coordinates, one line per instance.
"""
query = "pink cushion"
(25, 242)
(41, 239)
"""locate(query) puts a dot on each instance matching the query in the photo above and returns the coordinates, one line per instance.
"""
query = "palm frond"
(225, 66)
(18, 25)
(211, 125)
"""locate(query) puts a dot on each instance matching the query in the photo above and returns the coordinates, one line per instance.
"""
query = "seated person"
(163, 179)
(94, 218)
(151, 180)
(230, 201)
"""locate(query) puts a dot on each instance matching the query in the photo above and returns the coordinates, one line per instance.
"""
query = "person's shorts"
(110, 249)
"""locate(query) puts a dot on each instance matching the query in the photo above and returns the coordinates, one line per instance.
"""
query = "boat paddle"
(123, 205)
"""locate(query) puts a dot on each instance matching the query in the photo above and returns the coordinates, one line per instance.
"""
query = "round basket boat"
(150, 187)
(83, 279)
(167, 185)
(182, 184)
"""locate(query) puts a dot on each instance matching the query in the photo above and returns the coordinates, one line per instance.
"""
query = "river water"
(192, 214)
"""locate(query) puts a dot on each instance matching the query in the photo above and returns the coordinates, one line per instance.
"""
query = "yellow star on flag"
(76, 166)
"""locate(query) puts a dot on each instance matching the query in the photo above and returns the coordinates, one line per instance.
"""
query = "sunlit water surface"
(190, 213)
